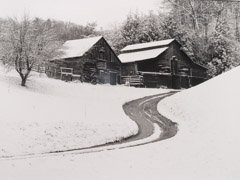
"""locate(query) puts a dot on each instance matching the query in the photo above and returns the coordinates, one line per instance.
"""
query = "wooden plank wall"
(99, 58)
(189, 73)
(184, 62)
(169, 81)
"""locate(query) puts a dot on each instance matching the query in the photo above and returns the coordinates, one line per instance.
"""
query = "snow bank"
(209, 121)
(51, 115)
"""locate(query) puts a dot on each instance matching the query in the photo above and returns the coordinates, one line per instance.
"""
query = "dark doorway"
(113, 78)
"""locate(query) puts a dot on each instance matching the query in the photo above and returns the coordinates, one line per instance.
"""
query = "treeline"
(69, 31)
(208, 31)
(64, 30)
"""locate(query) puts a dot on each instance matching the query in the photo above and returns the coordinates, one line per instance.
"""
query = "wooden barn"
(89, 60)
(160, 64)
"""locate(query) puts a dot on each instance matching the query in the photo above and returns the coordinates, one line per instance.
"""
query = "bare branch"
(27, 43)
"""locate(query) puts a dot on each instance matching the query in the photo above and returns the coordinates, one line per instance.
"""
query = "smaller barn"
(160, 64)
(89, 60)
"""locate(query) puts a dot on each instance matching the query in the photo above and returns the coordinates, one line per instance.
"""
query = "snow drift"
(209, 121)
(50, 115)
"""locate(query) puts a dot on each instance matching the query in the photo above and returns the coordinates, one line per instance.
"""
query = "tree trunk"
(24, 77)
(24, 80)
(195, 23)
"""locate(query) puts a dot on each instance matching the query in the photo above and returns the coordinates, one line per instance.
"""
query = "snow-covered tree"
(131, 29)
(114, 37)
(223, 49)
(151, 28)
(135, 29)
(224, 54)
(26, 43)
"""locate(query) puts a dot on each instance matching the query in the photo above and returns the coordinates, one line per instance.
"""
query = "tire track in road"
(144, 112)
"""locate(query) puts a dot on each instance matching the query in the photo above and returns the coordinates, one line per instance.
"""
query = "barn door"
(113, 78)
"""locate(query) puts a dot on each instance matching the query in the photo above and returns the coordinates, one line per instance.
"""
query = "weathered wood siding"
(162, 63)
(184, 62)
(100, 62)
(188, 73)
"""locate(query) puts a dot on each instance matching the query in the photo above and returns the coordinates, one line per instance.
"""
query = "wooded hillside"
(208, 31)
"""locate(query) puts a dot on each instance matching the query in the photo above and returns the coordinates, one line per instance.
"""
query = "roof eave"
(66, 58)
(144, 48)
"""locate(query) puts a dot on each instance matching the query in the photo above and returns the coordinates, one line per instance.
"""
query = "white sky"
(104, 12)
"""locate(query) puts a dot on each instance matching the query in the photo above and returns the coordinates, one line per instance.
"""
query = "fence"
(162, 80)
(134, 80)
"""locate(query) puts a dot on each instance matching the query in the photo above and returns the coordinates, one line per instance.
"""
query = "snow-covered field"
(209, 122)
(206, 147)
(51, 115)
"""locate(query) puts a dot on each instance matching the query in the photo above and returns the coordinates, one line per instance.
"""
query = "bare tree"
(199, 12)
(26, 43)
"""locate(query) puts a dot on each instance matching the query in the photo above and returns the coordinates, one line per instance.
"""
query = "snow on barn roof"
(78, 47)
(147, 45)
(141, 55)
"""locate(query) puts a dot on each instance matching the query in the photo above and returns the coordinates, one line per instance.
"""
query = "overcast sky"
(104, 12)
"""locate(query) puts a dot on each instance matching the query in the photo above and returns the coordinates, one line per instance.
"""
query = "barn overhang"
(141, 55)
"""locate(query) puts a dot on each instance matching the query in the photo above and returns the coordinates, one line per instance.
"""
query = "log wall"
(98, 65)
(187, 74)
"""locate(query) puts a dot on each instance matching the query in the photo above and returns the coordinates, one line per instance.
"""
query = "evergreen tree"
(131, 29)
(224, 53)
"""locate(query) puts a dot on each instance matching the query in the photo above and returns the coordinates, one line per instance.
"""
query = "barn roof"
(147, 45)
(141, 55)
(78, 47)
(145, 51)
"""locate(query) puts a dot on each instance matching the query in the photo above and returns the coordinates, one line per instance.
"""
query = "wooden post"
(174, 65)
(174, 72)
(61, 73)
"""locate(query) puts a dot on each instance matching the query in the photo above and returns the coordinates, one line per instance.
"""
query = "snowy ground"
(209, 122)
(206, 147)
(51, 115)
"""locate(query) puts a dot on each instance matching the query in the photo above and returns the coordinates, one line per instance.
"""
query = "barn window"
(101, 55)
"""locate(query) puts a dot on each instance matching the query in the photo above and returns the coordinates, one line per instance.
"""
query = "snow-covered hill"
(206, 147)
(51, 115)
(209, 122)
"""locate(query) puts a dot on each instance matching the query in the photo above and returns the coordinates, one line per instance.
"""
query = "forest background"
(208, 30)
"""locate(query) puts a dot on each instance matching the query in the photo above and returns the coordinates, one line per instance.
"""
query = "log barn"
(160, 64)
(89, 60)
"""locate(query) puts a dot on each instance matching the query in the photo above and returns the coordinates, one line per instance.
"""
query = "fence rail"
(157, 80)
(134, 80)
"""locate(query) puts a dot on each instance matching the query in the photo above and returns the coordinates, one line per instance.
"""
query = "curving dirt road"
(144, 112)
